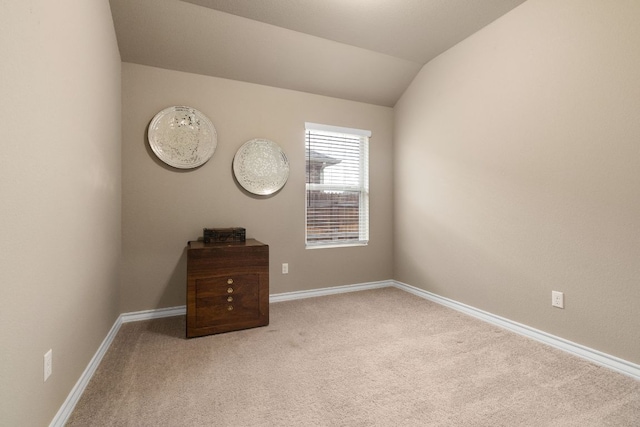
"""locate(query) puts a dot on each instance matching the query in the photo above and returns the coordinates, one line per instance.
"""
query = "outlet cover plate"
(557, 299)
(48, 364)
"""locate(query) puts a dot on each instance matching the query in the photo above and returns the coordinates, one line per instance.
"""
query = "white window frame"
(362, 187)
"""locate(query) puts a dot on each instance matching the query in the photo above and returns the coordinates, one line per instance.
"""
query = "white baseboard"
(595, 356)
(76, 392)
(290, 296)
(158, 313)
(599, 358)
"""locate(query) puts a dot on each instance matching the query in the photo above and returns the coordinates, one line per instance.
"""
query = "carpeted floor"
(373, 358)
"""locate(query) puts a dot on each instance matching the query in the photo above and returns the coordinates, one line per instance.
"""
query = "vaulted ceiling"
(361, 50)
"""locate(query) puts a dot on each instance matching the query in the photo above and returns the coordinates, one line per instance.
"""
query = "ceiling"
(361, 50)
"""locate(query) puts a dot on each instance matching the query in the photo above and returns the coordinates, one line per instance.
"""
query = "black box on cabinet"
(217, 235)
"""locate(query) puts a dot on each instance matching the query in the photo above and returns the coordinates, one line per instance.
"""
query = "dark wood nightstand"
(227, 286)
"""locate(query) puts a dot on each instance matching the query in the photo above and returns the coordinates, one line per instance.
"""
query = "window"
(337, 191)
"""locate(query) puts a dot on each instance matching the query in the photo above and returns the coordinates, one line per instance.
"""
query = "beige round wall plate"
(261, 167)
(182, 137)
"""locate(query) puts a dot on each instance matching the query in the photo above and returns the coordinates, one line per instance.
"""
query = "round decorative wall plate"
(261, 167)
(182, 137)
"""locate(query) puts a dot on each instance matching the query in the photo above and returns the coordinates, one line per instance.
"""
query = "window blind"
(337, 186)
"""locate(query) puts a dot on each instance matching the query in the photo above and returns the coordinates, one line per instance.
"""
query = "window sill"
(336, 245)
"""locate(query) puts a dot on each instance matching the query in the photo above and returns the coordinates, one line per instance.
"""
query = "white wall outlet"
(557, 299)
(285, 268)
(48, 364)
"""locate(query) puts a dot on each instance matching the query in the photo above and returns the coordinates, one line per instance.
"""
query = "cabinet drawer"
(228, 298)
(219, 310)
(230, 284)
(235, 259)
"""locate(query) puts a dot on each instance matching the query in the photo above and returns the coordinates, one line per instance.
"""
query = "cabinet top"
(199, 244)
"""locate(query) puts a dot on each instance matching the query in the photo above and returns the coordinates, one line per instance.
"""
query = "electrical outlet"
(557, 299)
(285, 268)
(48, 364)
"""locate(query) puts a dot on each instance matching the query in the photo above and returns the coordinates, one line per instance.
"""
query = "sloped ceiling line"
(361, 50)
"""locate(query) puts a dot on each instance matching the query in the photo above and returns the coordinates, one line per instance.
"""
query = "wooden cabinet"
(227, 286)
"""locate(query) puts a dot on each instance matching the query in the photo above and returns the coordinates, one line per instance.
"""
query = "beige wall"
(163, 207)
(517, 172)
(60, 198)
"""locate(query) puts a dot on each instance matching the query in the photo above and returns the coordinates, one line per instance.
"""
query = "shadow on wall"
(176, 287)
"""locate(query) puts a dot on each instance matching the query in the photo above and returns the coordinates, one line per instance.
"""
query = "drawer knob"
(229, 299)
(229, 290)
(229, 281)
(230, 308)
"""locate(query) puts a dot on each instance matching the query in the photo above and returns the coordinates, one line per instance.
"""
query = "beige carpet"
(373, 358)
